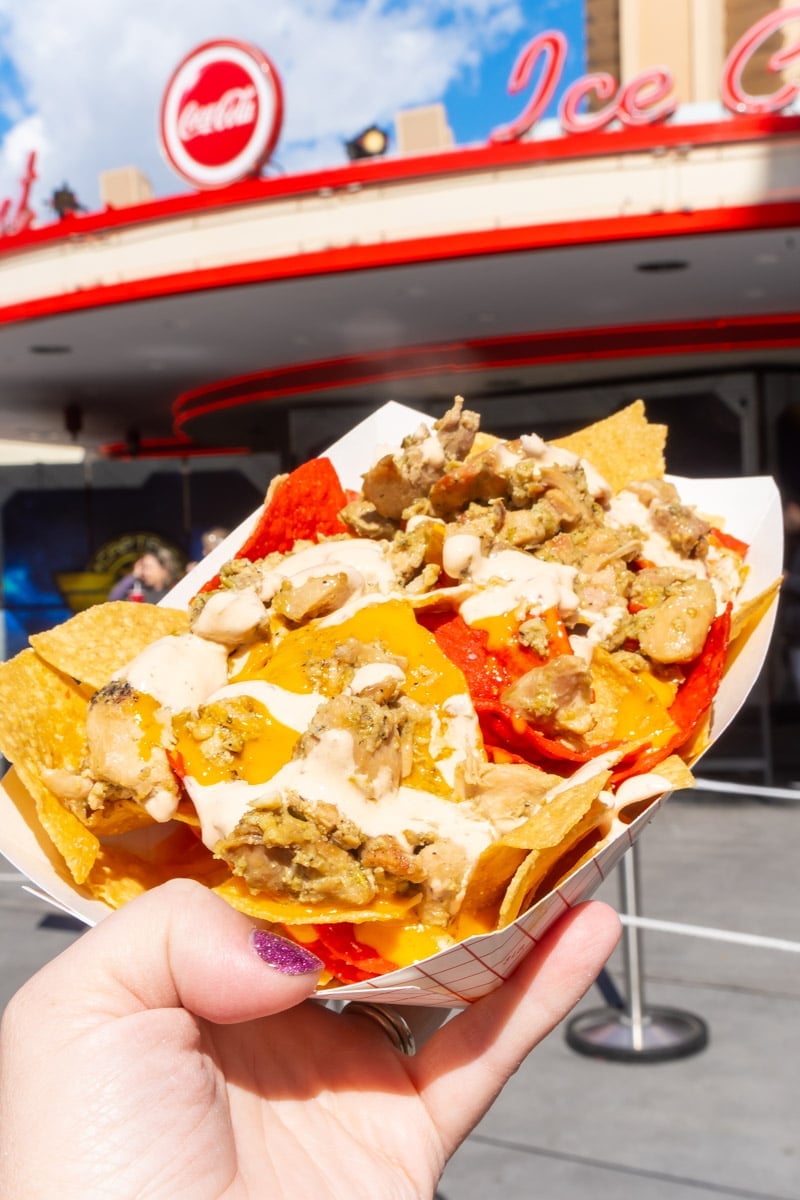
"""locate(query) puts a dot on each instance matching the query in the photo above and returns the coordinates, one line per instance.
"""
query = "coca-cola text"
(235, 108)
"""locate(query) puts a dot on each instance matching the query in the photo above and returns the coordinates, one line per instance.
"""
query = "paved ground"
(722, 1123)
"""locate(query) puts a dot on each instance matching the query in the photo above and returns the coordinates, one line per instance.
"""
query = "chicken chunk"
(398, 480)
(508, 793)
(295, 850)
(676, 630)
(557, 695)
(124, 749)
(301, 850)
(445, 868)
(316, 597)
(685, 531)
(457, 429)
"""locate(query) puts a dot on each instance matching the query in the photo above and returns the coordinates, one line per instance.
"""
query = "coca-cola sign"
(221, 113)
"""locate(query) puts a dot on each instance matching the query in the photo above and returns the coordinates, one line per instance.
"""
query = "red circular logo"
(221, 113)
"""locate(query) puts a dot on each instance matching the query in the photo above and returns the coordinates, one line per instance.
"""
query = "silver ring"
(396, 1028)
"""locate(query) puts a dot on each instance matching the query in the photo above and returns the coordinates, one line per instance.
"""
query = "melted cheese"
(286, 698)
(327, 775)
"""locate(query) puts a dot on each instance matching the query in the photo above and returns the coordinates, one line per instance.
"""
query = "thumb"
(179, 946)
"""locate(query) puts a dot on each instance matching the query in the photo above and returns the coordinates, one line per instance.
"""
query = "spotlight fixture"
(65, 203)
(370, 143)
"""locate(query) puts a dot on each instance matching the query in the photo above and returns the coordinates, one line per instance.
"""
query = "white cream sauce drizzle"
(548, 455)
(327, 775)
(295, 710)
(626, 509)
(364, 561)
(507, 580)
(180, 671)
(641, 787)
(229, 616)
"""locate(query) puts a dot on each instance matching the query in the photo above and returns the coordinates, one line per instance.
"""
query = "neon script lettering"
(15, 218)
(648, 98)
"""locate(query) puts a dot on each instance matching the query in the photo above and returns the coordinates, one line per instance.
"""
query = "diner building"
(640, 240)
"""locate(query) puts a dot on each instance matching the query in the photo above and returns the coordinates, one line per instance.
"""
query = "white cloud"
(93, 74)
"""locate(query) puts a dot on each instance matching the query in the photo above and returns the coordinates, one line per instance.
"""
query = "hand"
(161, 1056)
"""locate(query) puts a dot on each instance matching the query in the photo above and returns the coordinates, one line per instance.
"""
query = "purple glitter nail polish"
(285, 956)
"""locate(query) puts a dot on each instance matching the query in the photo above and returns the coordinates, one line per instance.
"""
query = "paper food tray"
(751, 510)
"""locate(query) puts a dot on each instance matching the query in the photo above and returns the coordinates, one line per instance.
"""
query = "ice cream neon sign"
(647, 98)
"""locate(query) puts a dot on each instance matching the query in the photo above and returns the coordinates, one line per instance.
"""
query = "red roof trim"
(416, 250)
(380, 171)
(724, 334)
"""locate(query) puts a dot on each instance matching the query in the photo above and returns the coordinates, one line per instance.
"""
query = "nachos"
(397, 717)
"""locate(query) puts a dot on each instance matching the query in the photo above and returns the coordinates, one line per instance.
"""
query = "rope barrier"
(717, 935)
(758, 791)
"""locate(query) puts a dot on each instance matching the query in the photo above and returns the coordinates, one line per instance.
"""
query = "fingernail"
(285, 956)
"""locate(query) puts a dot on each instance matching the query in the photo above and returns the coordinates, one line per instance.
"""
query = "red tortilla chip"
(304, 506)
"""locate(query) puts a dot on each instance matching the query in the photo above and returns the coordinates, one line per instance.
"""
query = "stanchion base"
(665, 1033)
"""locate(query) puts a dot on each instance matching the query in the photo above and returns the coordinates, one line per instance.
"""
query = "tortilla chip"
(556, 817)
(748, 615)
(287, 912)
(676, 776)
(63, 839)
(121, 873)
(42, 715)
(676, 773)
(624, 448)
(544, 869)
(490, 877)
(553, 824)
(99, 641)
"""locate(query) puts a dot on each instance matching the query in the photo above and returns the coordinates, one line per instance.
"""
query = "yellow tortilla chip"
(286, 912)
(544, 869)
(490, 877)
(121, 873)
(42, 715)
(99, 641)
(748, 615)
(676, 776)
(63, 839)
(554, 823)
(624, 447)
(676, 773)
(558, 816)
(42, 724)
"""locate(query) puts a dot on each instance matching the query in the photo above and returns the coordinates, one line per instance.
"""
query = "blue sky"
(81, 82)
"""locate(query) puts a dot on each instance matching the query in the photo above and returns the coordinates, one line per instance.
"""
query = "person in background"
(173, 1052)
(152, 576)
(209, 540)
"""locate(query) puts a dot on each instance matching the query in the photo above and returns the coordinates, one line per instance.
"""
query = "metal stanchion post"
(635, 1032)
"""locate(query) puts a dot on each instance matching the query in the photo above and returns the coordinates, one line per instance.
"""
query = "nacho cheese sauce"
(326, 776)
(329, 773)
